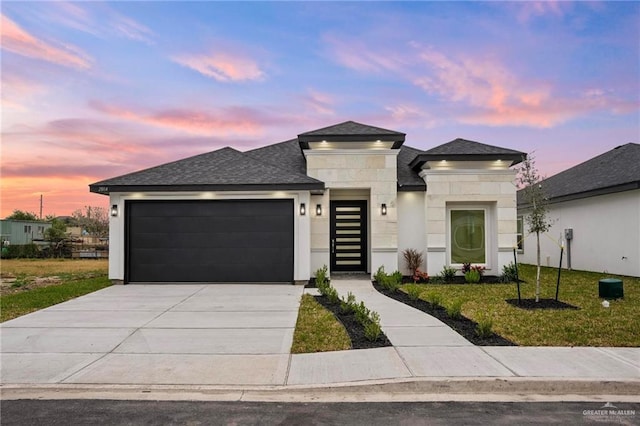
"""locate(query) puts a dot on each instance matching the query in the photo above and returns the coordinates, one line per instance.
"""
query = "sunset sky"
(95, 90)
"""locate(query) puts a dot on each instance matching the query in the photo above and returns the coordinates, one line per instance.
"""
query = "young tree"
(93, 220)
(536, 199)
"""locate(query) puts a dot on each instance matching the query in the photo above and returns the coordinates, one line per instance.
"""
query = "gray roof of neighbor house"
(462, 149)
(224, 169)
(614, 171)
(350, 131)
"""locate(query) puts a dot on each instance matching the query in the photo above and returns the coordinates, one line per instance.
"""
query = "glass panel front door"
(348, 236)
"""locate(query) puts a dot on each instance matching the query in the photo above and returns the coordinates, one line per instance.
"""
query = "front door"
(348, 236)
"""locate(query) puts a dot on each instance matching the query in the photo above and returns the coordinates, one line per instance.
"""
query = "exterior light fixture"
(303, 209)
(114, 210)
(318, 209)
(383, 209)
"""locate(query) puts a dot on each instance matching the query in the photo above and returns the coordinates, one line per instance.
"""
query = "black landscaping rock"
(353, 327)
(463, 325)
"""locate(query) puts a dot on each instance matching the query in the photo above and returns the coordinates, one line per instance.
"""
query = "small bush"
(21, 251)
(397, 277)
(509, 273)
(347, 305)
(436, 280)
(380, 275)
(485, 326)
(332, 295)
(434, 298)
(472, 276)
(420, 277)
(466, 267)
(448, 274)
(414, 291)
(372, 329)
(413, 259)
(361, 312)
(454, 310)
(321, 277)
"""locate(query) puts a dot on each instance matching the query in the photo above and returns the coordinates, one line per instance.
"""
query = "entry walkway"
(424, 347)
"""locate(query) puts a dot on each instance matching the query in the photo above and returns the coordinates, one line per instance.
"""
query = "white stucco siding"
(606, 234)
(411, 227)
(302, 224)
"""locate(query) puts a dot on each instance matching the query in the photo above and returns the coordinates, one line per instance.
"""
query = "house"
(20, 232)
(595, 211)
(350, 196)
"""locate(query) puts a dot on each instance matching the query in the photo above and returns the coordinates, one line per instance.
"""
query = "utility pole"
(40, 206)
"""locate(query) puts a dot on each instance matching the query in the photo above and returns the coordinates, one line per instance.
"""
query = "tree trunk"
(538, 268)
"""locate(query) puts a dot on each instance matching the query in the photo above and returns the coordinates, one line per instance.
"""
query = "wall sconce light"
(383, 209)
(303, 209)
(318, 209)
(114, 210)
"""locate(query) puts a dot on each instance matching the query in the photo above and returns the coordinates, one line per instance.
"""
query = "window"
(468, 236)
(520, 233)
(27, 229)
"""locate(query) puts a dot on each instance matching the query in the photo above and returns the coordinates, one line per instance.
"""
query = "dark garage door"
(209, 241)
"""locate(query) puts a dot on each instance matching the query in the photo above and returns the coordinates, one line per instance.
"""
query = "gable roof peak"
(351, 131)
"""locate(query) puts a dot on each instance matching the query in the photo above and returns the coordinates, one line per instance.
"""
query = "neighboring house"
(349, 196)
(599, 202)
(20, 232)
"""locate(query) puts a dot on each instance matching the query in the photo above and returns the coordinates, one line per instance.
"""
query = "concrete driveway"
(157, 334)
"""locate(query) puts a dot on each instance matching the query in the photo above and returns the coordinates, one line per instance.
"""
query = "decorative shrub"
(466, 267)
(472, 277)
(332, 295)
(414, 291)
(321, 279)
(380, 275)
(509, 273)
(420, 277)
(485, 326)
(361, 312)
(347, 305)
(454, 310)
(372, 329)
(413, 259)
(448, 274)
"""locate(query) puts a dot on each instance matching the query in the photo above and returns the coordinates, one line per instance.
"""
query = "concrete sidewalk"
(240, 336)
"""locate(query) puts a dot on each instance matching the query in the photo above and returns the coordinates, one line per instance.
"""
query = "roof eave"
(107, 189)
(397, 140)
(588, 194)
(420, 159)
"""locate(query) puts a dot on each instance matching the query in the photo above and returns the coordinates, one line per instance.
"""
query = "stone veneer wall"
(349, 169)
(493, 189)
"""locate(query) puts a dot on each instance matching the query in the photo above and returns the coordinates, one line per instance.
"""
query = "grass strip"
(15, 305)
(317, 330)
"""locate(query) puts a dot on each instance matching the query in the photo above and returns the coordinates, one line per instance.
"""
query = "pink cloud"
(129, 28)
(357, 55)
(222, 66)
(223, 121)
(319, 103)
(15, 39)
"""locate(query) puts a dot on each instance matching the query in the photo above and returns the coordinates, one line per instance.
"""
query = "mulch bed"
(464, 326)
(353, 327)
(542, 304)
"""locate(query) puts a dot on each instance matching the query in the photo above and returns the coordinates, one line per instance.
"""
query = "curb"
(441, 389)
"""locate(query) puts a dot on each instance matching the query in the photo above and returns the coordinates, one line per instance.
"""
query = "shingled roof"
(221, 170)
(350, 131)
(614, 171)
(462, 149)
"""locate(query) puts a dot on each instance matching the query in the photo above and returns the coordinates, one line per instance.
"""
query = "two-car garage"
(209, 240)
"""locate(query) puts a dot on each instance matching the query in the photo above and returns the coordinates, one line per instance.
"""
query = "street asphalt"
(239, 336)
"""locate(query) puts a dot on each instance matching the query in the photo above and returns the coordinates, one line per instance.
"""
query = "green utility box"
(610, 288)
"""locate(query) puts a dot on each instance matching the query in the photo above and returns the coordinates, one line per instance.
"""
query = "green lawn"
(318, 330)
(591, 325)
(75, 278)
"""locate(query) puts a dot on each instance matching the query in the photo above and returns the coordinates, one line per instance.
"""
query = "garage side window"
(468, 236)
